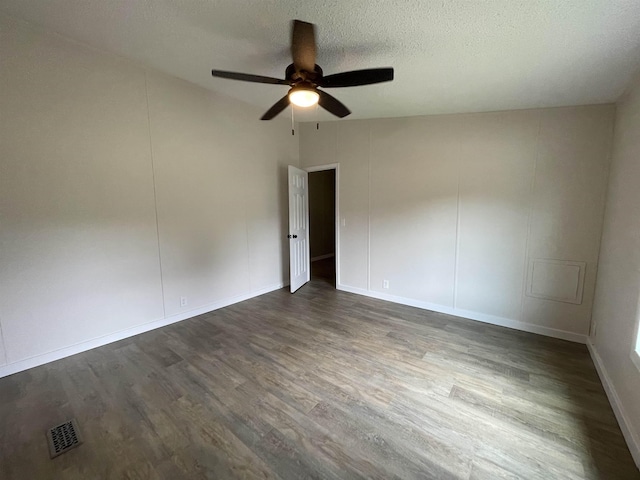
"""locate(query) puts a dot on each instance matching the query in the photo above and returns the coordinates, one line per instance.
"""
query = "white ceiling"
(449, 55)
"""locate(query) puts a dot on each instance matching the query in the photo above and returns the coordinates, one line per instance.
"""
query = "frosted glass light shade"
(304, 97)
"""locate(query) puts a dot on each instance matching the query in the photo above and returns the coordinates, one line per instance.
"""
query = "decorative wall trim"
(480, 317)
(38, 360)
(633, 442)
(570, 271)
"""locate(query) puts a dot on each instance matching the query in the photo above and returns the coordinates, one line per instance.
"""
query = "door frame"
(336, 167)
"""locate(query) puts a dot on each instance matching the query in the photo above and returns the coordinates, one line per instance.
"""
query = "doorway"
(322, 224)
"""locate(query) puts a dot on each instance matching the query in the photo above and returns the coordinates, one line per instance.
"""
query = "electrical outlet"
(385, 284)
(344, 222)
(183, 301)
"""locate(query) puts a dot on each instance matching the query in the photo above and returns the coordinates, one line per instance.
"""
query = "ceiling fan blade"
(279, 106)
(332, 104)
(357, 78)
(246, 77)
(303, 46)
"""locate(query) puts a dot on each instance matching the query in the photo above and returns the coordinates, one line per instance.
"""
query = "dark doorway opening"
(322, 225)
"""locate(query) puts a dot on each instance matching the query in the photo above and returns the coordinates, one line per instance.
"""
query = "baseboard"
(633, 442)
(323, 257)
(38, 360)
(480, 317)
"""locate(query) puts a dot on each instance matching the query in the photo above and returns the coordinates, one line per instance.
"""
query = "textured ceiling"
(449, 55)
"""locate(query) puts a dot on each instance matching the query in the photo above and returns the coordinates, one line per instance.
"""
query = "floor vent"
(63, 437)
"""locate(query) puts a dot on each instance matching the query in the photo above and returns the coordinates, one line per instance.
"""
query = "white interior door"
(298, 227)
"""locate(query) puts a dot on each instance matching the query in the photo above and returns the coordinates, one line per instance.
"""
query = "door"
(298, 228)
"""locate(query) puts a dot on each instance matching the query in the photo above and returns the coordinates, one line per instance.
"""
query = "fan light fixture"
(307, 79)
(303, 97)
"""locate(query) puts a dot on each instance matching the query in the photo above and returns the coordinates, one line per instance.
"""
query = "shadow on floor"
(324, 271)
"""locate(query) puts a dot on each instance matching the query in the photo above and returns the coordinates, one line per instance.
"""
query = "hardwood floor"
(320, 384)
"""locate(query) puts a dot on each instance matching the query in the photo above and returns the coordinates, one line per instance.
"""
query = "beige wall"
(452, 209)
(617, 311)
(122, 190)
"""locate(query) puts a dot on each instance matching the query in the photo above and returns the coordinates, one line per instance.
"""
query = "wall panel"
(451, 209)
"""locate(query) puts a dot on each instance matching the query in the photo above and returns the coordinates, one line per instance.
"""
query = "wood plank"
(320, 384)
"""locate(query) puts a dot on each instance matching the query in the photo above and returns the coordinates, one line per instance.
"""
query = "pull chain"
(292, 124)
(317, 123)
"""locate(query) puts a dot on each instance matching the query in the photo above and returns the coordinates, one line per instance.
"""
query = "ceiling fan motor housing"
(296, 76)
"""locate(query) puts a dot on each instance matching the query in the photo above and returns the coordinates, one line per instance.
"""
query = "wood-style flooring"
(320, 384)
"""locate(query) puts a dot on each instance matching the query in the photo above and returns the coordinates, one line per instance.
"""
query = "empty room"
(428, 266)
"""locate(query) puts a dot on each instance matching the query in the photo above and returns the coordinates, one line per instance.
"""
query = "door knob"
(295, 236)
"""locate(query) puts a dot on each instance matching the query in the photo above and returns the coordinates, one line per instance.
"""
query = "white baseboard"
(323, 257)
(481, 317)
(633, 442)
(38, 360)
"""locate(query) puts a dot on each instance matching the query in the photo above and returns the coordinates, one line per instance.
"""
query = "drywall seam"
(469, 314)
(369, 212)
(457, 249)
(633, 442)
(246, 236)
(605, 207)
(4, 345)
(38, 360)
(525, 270)
(155, 197)
(337, 213)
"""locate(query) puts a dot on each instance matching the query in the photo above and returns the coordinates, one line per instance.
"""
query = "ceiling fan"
(304, 76)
